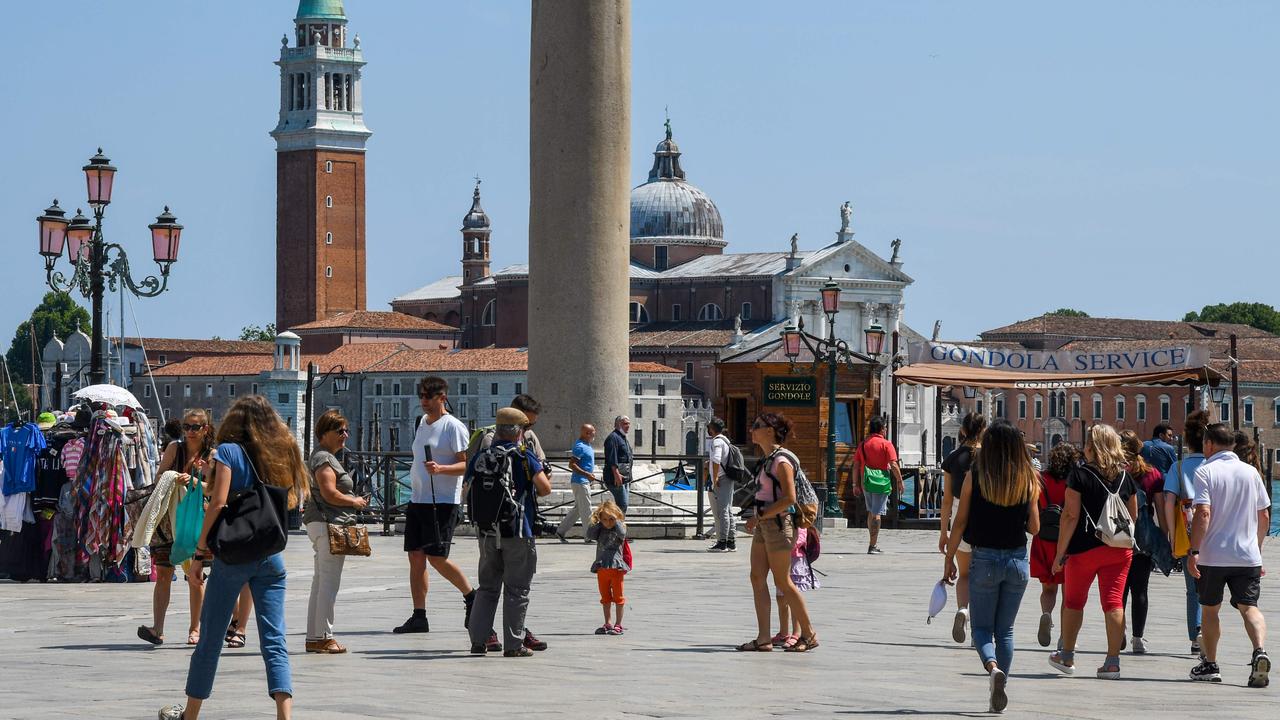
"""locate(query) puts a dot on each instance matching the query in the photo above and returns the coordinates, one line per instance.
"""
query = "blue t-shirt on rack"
(21, 445)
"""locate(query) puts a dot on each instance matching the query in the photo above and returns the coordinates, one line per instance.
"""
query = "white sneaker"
(1139, 645)
(999, 699)
(957, 627)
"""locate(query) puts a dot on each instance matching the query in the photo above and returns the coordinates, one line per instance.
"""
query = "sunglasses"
(192, 427)
(343, 431)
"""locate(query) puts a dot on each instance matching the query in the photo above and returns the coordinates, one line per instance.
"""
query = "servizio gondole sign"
(1075, 366)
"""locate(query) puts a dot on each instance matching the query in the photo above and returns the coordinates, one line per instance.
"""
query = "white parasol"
(113, 395)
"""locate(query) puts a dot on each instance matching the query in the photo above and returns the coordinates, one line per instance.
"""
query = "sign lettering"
(791, 391)
(1063, 361)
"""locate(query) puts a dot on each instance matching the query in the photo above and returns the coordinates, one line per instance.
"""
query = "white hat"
(938, 601)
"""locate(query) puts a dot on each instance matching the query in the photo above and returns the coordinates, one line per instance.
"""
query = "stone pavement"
(69, 651)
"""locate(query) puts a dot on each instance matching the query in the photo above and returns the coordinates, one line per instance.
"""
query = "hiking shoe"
(721, 546)
(1259, 668)
(1206, 672)
(874, 550)
(604, 629)
(172, 712)
(532, 642)
(518, 652)
(1045, 635)
(957, 627)
(998, 697)
(493, 644)
(1139, 645)
(467, 601)
(414, 624)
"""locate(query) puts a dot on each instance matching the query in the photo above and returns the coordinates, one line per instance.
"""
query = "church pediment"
(851, 260)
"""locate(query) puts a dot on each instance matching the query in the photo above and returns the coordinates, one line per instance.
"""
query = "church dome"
(476, 219)
(320, 10)
(668, 210)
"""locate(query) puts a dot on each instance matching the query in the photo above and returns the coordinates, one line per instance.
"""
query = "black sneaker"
(731, 546)
(1259, 668)
(719, 547)
(1206, 672)
(468, 600)
(479, 649)
(874, 550)
(521, 651)
(532, 642)
(414, 624)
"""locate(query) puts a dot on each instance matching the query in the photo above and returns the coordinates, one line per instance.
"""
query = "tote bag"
(252, 524)
(188, 521)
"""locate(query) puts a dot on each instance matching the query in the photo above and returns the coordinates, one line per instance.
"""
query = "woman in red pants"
(1082, 556)
(1063, 459)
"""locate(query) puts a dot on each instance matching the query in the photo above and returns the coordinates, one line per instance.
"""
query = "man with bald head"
(583, 465)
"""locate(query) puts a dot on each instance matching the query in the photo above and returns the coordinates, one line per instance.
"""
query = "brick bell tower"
(320, 143)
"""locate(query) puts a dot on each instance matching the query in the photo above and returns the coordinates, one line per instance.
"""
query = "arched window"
(328, 238)
(328, 166)
(710, 312)
(1039, 407)
(1164, 408)
(1053, 404)
(1075, 406)
(1097, 406)
(1224, 410)
(746, 311)
(328, 201)
(489, 317)
(328, 271)
(638, 313)
(1141, 411)
(1119, 407)
(1022, 407)
(1247, 409)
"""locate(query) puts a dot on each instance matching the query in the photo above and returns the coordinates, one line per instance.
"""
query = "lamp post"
(98, 264)
(341, 383)
(1218, 396)
(833, 352)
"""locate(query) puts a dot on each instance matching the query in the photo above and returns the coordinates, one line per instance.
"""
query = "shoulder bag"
(344, 538)
(251, 525)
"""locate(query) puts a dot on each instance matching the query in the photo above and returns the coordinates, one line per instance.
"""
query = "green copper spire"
(320, 10)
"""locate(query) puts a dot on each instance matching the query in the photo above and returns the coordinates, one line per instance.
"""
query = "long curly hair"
(254, 425)
(1104, 451)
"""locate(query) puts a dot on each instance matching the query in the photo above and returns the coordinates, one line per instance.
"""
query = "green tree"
(7, 399)
(1068, 312)
(266, 333)
(56, 315)
(1258, 315)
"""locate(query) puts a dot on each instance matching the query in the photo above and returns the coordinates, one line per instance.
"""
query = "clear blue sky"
(1117, 157)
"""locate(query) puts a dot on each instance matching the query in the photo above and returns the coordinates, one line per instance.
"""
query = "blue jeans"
(997, 580)
(266, 581)
(620, 496)
(1193, 606)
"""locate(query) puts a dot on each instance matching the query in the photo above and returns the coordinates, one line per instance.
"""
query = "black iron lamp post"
(833, 352)
(341, 383)
(97, 264)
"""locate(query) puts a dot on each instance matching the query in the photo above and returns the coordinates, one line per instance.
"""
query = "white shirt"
(1235, 491)
(446, 437)
(718, 453)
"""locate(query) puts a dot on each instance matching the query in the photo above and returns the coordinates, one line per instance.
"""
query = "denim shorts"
(877, 503)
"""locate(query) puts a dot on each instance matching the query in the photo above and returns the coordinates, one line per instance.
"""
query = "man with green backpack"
(876, 476)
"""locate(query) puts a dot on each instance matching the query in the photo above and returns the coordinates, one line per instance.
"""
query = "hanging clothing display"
(102, 524)
(72, 452)
(21, 443)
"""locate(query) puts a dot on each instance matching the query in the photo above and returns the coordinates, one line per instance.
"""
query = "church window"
(328, 201)
(310, 103)
(675, 312)
(346, 86)
(746, 311)
(489, 317)
(710, 312)
(328, 271)
(328, 238)
(638, 313)
(328, 166)
(659, 257)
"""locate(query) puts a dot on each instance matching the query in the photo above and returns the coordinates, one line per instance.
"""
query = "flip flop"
(145, 633)
(193, 637)
(755, 646)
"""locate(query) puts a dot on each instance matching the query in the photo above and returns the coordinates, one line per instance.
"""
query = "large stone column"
(579, 214)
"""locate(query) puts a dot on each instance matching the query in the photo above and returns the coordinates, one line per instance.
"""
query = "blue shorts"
(877, 503)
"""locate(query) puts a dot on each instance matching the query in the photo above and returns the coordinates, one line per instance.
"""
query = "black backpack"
(735, 466)
(492, 503)
(1050, 517)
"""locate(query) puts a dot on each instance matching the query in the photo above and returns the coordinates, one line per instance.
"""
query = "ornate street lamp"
(833, 352)
(96, 264)
(341, 383)
(875, 339)
(970, 392)
(1218, 394)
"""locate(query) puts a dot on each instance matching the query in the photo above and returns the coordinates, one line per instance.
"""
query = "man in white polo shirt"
(1232, 517)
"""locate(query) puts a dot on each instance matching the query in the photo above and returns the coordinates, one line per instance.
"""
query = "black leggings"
(1139, 579)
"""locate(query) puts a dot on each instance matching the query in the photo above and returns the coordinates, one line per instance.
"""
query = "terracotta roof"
(206, 347)
(652, 367)
(355, 357)
(689, 334)
(1258, 371)
(374, 320)
(1121, 328)
(216, 366)
(458, 360)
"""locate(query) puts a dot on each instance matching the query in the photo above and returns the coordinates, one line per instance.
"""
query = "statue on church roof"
(846, 213)
(897, 246)
(795, 244)
(737, 324)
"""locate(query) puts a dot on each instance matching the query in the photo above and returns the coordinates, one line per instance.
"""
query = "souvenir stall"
(67, 483)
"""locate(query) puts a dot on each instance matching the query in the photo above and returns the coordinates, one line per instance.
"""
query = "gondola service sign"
(791, 391)
(1084, 362)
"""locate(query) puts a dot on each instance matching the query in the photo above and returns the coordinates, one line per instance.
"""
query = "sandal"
(235, 636)
(755, 646)
(193, 637)
(1063, 661)
(803, 644)
(780, 639)
(790, 641)
(328, 646)
(149, 635)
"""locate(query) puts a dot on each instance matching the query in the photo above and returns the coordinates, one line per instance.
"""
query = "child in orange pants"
(610, 533)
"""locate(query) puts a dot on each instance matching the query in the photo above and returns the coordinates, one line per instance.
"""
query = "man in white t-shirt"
(1232, 517)
(721, 487)
(439, 462)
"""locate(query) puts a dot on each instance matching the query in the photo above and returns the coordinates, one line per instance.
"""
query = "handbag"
(251, 525)
(1050, 516)
(188, 521)
(349, 540)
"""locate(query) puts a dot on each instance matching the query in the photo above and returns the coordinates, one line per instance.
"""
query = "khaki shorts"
(776, 536)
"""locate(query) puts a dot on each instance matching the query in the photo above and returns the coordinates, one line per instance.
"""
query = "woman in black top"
(1088, 488)
(998, 507)
(956, 467)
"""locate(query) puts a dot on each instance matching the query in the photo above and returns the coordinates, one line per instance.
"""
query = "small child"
(804, 579)
(610, 533)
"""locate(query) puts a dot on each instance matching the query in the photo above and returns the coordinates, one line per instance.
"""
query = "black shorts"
(1245, 584)
(429, 527)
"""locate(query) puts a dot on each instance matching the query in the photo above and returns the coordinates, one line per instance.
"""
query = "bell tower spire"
(475, 241)
(320, 151)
